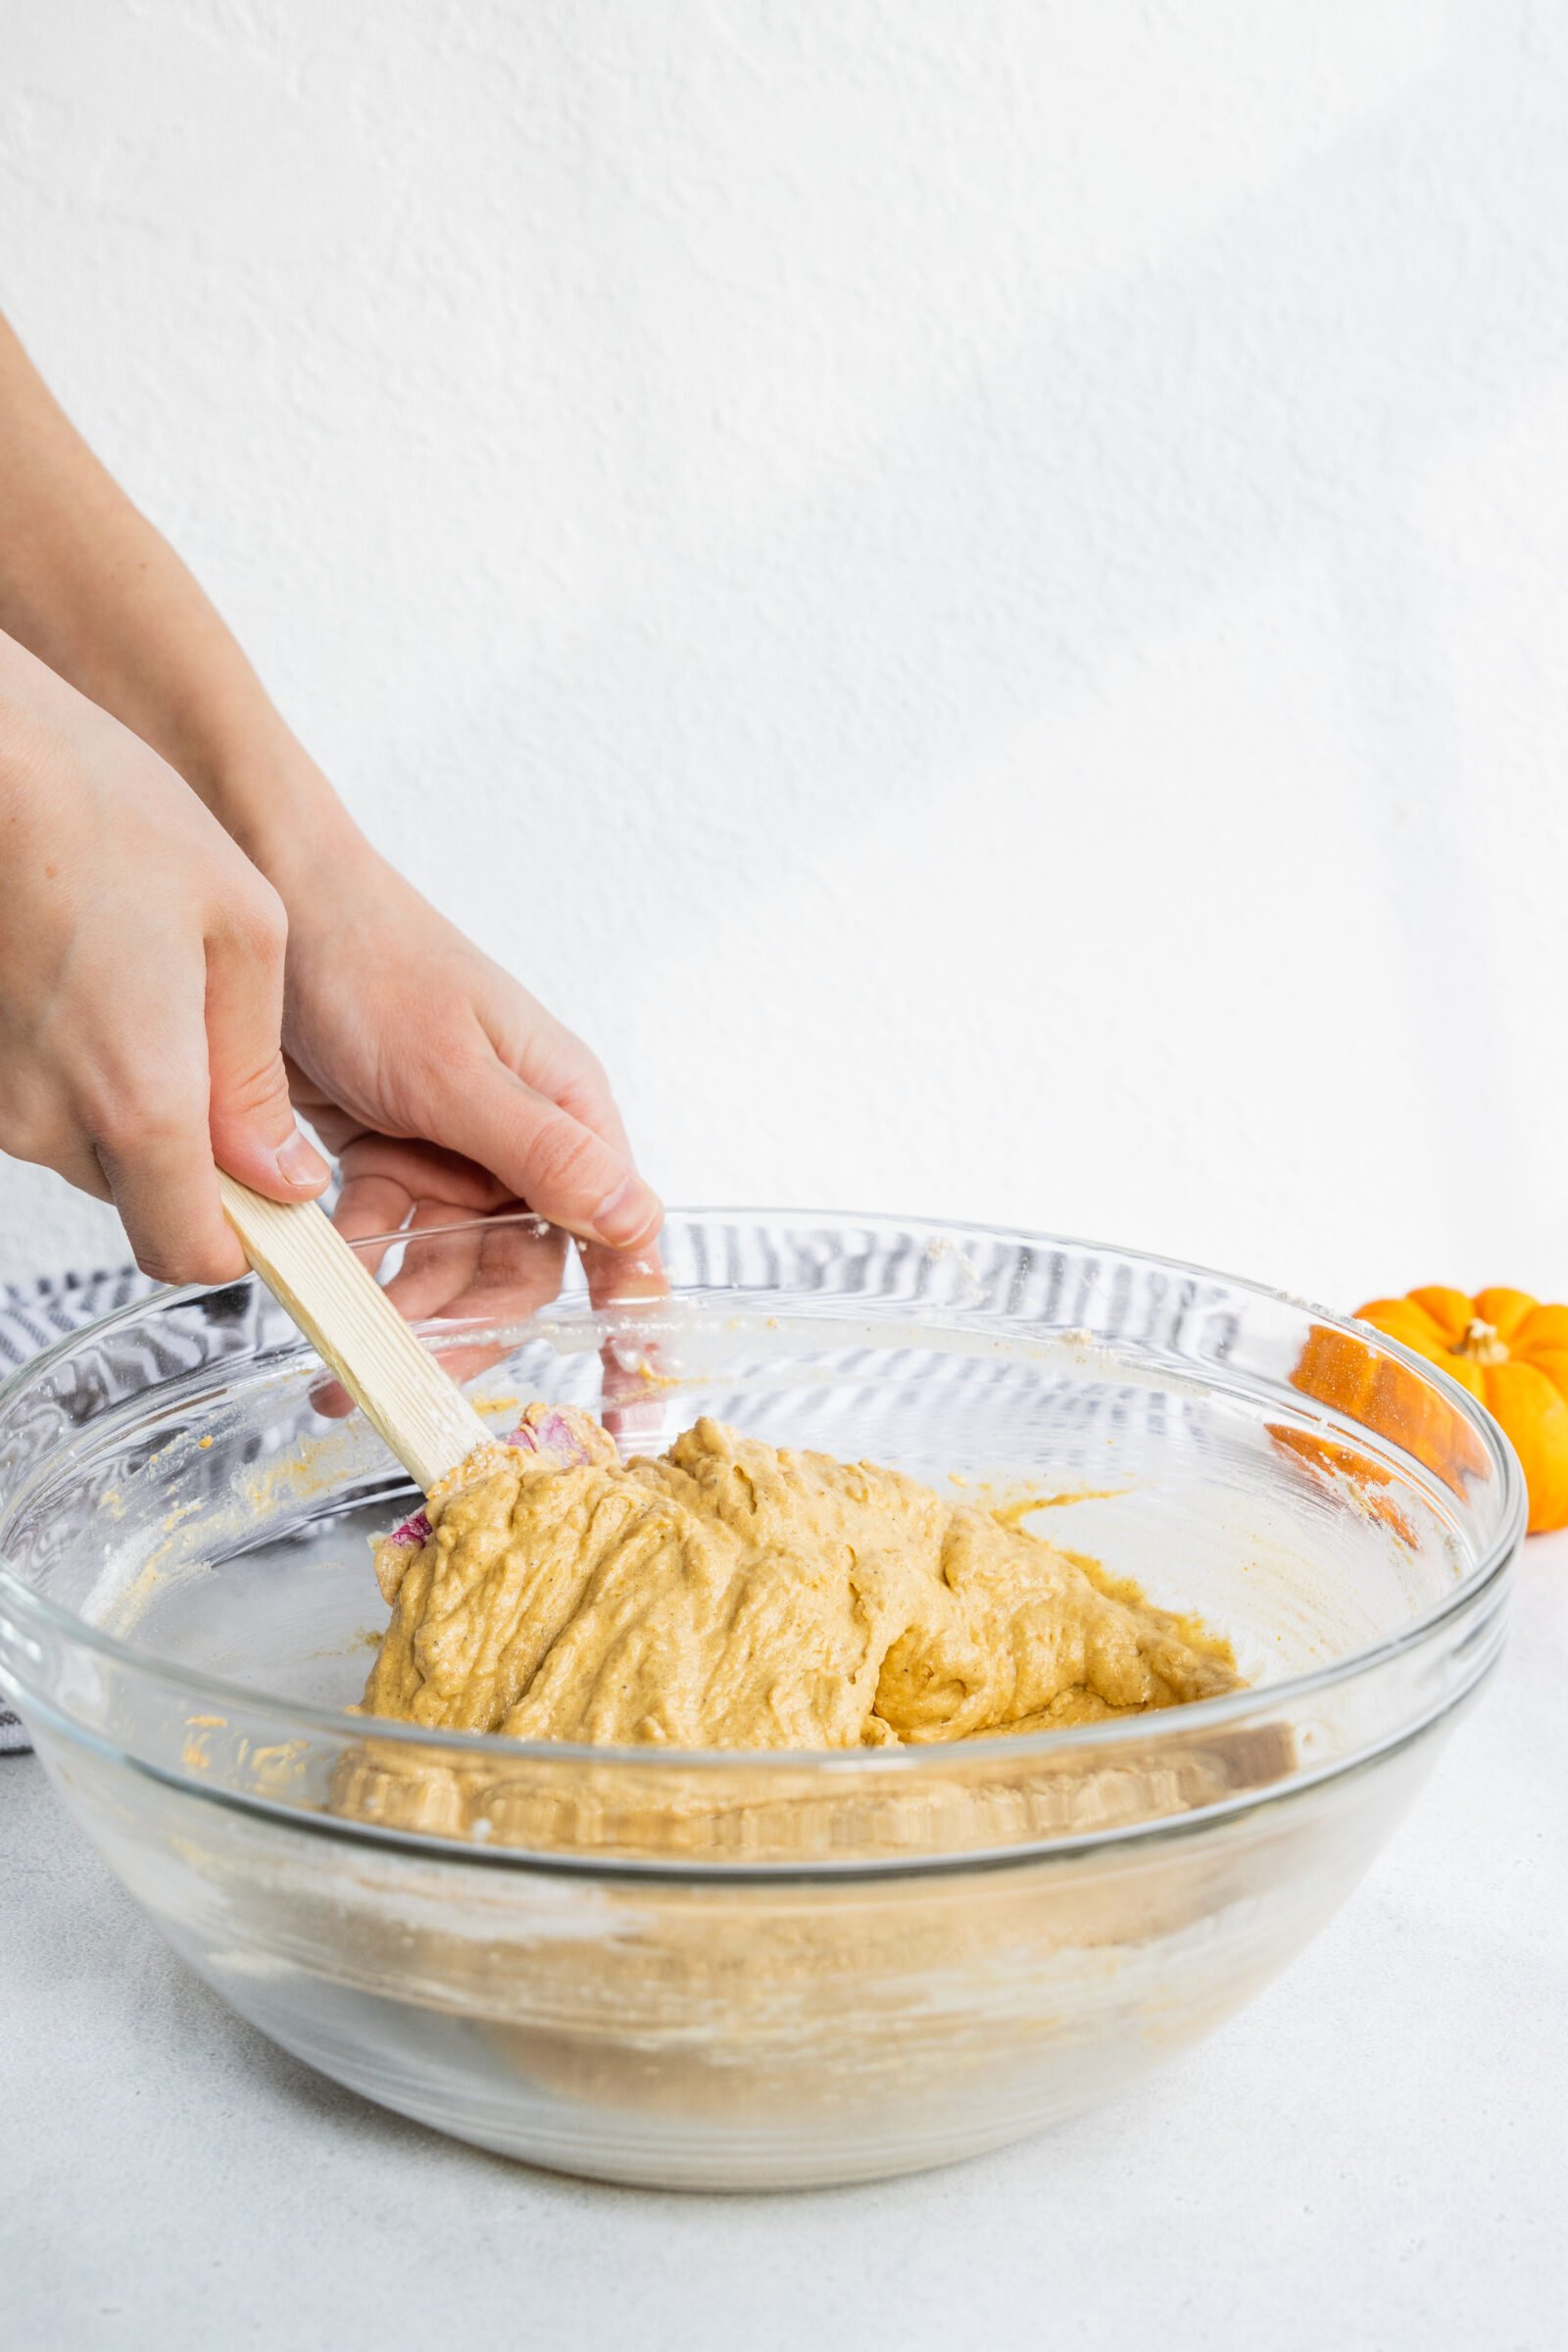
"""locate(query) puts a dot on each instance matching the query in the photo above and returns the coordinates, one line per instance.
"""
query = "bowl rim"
(905, 1758)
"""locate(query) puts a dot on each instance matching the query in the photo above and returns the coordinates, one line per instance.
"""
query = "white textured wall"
(977, 590)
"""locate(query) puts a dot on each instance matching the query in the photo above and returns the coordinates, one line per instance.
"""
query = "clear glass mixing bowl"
(727, 1969)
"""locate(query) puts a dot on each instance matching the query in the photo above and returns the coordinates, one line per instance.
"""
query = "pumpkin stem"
(1482, 1344)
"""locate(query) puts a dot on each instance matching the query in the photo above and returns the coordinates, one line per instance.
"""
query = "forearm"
(142, 1046)
(90, 587)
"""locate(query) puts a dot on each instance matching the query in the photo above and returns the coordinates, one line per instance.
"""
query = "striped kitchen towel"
(32, 1317)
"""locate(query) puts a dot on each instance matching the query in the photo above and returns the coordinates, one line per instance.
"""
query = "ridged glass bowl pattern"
(744, 1970)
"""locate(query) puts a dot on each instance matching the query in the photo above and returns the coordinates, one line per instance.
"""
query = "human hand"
(141, 984)
(446, 1091)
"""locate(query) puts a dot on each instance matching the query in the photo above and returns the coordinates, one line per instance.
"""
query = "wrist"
(274, 803)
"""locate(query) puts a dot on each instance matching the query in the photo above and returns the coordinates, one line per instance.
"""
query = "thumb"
(254, 1135)
(545, 1157)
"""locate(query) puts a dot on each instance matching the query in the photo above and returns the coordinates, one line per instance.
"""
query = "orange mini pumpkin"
(1512, 1353)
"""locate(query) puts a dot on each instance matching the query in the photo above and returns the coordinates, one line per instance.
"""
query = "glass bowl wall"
(735, 1969)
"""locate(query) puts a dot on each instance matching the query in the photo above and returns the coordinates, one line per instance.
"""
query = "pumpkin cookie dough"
(731, 1594)
(735, 1597)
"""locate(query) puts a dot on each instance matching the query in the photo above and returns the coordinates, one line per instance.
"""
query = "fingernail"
(626, 1215)
(299, 1162)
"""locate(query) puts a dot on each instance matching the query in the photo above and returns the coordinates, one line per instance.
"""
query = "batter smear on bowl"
(735, 1594)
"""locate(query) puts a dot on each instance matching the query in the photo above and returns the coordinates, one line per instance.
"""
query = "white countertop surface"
(1374, 2154)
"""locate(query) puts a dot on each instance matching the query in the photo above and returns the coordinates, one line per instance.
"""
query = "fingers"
(559, 1066)
(560, 1167)
(502, 1272)
(368, 1207)
(140, 1101)
(454, 1264)
(582, 1089)
(384, 1176)
(393, 1187)
(629, 1359)
(504, 1268)
(559, 1072)
(252, 1127)
(437, 1268)
(219, 1097)
(160, 1174)
(140, 984)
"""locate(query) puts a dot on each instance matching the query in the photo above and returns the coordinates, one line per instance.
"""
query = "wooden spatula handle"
(312, 1272)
